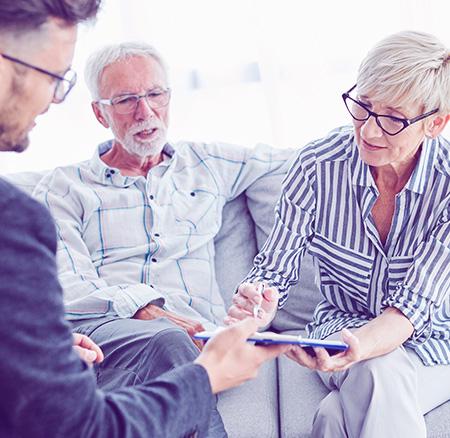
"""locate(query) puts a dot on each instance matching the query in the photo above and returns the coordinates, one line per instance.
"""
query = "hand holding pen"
(257, 306)
(246, 303)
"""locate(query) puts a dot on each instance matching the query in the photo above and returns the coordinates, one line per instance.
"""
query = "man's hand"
(87, 349)
(244, 302)
(230, 360)
(150, 311)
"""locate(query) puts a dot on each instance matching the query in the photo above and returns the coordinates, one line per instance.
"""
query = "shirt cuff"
(416, 308)
(133, 297)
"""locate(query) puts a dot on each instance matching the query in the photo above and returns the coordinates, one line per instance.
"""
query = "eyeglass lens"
(128, 104)
(389, 124)
(63, 87)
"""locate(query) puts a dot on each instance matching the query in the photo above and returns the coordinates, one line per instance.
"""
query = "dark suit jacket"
(46, 390)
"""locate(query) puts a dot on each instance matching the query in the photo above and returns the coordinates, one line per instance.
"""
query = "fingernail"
(91, 355)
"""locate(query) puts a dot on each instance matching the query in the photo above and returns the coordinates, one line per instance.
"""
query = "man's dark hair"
(29, 15)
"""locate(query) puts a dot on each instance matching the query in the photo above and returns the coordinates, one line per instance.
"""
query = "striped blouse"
(325, 208)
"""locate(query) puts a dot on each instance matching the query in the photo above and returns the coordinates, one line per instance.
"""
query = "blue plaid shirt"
(125, 242)
(325, 208)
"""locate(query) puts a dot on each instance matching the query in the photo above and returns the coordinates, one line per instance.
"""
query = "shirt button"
(151, 197)
(154, 260)
(112, 171)
(192, 193)
(156, 234)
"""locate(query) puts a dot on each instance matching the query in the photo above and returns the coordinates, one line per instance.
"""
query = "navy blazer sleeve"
(46, 390)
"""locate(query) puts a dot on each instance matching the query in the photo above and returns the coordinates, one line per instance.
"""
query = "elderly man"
(136, 223)
(46, 389)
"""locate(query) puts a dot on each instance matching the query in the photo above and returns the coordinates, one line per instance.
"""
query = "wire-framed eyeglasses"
(63, 83)
(128, 103)
(389, 124)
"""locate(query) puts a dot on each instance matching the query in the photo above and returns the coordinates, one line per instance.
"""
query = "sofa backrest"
(247, 221)
(25, 180)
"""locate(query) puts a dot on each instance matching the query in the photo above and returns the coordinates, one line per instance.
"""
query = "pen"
(257, 307)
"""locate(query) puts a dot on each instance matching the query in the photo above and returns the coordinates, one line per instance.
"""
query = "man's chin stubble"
(10, 146)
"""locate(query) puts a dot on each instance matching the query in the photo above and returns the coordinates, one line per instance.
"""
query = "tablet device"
(333, 347)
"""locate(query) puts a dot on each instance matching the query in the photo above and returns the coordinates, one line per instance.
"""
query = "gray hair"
(113, 53)
(410, 68)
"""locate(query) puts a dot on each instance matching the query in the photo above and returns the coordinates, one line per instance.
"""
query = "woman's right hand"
(245, 300)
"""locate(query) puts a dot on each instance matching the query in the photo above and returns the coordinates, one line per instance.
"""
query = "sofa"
(282, 400)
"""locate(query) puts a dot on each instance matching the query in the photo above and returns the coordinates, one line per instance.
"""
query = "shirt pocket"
(196, 210)
(343, 270)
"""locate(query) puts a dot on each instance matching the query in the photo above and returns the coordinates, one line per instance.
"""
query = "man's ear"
(436, 125)
(99, 114)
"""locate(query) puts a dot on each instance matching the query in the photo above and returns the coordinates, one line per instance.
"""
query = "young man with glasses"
(46, 389)
(371, 203)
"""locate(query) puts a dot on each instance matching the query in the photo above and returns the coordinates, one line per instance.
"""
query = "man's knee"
(143, 349)
(174, 342)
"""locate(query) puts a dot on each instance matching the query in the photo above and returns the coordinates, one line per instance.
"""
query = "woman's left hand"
(322, 361)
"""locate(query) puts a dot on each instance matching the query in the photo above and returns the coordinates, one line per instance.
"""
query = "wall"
(243, 71)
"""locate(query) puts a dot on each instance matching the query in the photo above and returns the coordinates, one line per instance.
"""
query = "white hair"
(113, 53)
(409, 68)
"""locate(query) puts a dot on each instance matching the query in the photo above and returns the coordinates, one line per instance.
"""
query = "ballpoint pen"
(257, 306)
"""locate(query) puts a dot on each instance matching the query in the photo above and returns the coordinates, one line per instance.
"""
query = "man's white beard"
(142, 148)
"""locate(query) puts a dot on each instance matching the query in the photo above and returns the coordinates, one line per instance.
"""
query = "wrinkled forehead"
(132, 75)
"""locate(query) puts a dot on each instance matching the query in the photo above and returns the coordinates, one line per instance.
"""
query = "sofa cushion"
(438, 422)
(303, 299)
(301, 391)
(251, 410)
(244, 230)
(235, 247)
(262, 197)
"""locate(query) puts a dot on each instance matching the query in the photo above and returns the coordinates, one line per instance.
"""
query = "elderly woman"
(371, 203)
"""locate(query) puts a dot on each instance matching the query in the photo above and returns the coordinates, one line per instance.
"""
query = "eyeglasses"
(63, 83)
(389, 124)
(128, 103)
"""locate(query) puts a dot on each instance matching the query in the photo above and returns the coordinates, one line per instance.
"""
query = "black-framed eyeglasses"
(126, 104)
(63, 83)
(389, 124)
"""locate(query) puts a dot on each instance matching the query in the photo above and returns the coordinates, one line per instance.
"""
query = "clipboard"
(333, 347)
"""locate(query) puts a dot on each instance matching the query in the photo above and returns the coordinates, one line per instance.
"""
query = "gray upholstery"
(282, 400)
